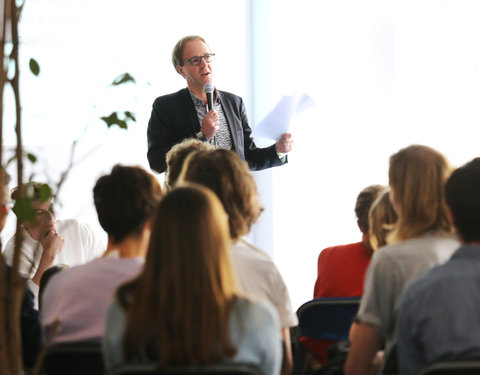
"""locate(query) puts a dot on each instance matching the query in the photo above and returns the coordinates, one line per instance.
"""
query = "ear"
(180, 71)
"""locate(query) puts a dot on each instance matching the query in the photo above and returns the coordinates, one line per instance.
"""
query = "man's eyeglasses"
(197, 60)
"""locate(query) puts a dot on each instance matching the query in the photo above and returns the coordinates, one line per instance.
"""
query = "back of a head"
(177, 155)
(187, 281)
(417, 177)
(228, 176)
(463, 198)
(364, 201)
(125, 199)
(382, 218)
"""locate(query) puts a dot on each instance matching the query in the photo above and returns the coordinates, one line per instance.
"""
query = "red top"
(341, 270)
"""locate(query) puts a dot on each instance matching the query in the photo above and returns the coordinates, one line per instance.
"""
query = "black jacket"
(174, 119)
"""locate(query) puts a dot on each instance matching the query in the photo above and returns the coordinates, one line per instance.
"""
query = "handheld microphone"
(208, 88)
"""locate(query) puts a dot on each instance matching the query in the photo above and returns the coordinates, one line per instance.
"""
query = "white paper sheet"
(279, 119)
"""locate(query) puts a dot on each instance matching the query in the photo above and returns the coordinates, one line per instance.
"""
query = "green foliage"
(31, 157)
(23, 207)
(34, 67)
(113, 119)
(44, 192)
(123, 78)
(130, 115)
(24, 210)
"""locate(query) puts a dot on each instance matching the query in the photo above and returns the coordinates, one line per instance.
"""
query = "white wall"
(384, 75)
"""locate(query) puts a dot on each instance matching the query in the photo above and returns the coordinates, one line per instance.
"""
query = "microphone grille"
(208, 88)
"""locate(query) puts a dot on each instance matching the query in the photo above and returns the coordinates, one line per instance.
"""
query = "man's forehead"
(195, 47)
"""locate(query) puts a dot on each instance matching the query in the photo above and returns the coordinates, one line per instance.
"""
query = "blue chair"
(327, 318)
(322, 319)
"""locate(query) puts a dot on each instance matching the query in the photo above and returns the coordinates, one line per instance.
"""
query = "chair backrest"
(219, 369)
(327, 318)
(73, 359)
(451, 368)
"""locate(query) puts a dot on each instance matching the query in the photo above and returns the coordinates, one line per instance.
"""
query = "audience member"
(76, 299)
(228, 176)
(48, 241)
(184, 309)
(341, 269)
(438, 317)
(423, 236)
(177, 155)
(382, 218)
(29, 317)
(45, 279)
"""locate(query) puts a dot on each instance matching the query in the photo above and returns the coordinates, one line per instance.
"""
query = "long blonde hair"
(382, 218)
(178, 309)
(417, 177)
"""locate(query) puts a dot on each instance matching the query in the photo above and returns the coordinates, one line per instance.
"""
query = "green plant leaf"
(44, 192)
(31, 157)
(130, 115)
(124, 78)
(114, 120)
(34, 67)
(24, 210)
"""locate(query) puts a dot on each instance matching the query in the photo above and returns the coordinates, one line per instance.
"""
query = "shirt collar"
(197, 100)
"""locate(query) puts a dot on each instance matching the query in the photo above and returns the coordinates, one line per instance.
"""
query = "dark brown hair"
(178, 308)
(125, 199)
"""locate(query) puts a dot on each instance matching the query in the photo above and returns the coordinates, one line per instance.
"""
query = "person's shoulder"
(342, 248)
(247, 249)
(73, 225)
(229, 96)
(9, 248)
(169, 98)
(420, 246)
(259, 308)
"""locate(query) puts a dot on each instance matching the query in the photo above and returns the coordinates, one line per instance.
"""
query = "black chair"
(464, 367)
(323, 319)
(73, 359)
(219, 369)
(327, 318)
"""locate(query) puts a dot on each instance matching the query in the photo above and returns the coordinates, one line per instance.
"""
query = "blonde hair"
(177, 155)
(417, 177)
(381, 218)
(228, 176)
(178, 308)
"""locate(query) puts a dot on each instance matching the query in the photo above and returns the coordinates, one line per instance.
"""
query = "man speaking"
(220, 121)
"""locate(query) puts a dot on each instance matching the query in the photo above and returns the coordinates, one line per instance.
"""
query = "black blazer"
(174, 118)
